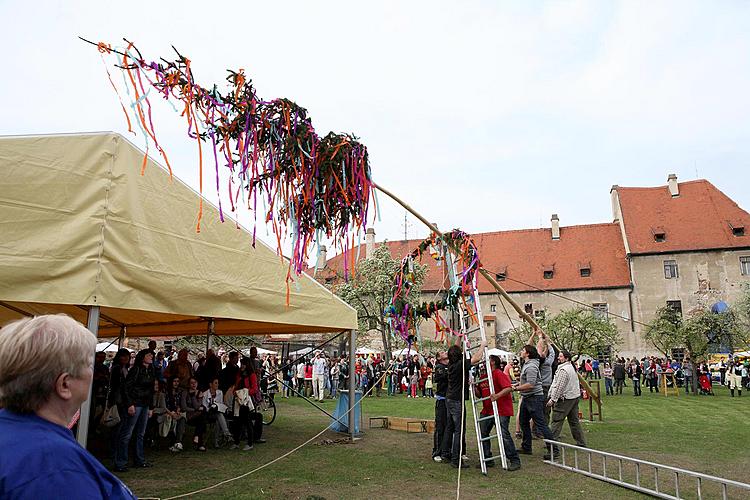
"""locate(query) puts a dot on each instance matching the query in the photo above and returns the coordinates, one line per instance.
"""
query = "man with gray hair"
(45, 376)
(563, 399)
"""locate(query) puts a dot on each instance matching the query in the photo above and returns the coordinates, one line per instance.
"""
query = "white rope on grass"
(183, 495)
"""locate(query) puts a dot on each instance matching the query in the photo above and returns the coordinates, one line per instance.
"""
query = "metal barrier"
(603, 470)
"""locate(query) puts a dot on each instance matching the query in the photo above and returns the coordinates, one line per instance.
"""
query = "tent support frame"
(92, 323)
(352, 380)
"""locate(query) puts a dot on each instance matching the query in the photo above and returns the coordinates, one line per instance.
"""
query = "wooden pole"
(500, 290)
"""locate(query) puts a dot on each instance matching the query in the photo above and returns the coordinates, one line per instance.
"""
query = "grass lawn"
(703, 434)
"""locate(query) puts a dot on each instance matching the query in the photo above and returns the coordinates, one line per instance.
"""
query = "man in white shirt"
(563, 398)
(319, 376)
(301, 378)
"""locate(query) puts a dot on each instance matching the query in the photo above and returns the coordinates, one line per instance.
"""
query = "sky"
(481, 115)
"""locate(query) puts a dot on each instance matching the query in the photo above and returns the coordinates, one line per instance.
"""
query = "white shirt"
(319, 366)
(301, 370)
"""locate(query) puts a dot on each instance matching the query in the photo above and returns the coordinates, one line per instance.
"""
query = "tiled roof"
(700, 218)
(525, 254)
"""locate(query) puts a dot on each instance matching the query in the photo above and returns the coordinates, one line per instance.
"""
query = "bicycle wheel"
(268, 410)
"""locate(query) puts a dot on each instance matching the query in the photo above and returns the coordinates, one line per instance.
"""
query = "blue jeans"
(136, 423)
(459, 431)
(608, 386)
(532, 408)
(485, 427)
(688, 383)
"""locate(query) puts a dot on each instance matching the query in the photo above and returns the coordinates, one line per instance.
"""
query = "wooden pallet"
(411, 425)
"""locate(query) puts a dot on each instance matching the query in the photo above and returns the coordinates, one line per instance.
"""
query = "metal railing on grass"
(591, 468)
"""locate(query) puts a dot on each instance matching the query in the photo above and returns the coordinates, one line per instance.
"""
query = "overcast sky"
(482, 115)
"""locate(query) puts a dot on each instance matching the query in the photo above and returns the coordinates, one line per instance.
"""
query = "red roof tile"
(700, 218)
(525, 254)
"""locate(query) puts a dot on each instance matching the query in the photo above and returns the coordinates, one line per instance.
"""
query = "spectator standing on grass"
(546, 360)
(440, 377)
(563, 399)
(247, 419)
(608, 379)
(595, 369)
(139, 392)
(301, 378)
(734, 377)
(634, 372)
(45, 377)
(181, 368)
(229, 373)
(501, 395)
(687, 373)
(116, 394)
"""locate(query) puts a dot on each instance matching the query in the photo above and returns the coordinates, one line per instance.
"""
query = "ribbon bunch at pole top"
(309, 186)
(404, 317)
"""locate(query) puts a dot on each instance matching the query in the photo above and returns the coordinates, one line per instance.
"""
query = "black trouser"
(199, 422)
(441, 418)
(249, 421)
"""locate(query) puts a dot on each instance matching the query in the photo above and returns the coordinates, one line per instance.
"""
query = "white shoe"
(178, 446)
(234, 447)
(437, 459)
(464, 458)
(247, 447)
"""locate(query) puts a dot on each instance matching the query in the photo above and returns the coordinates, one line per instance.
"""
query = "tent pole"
(83, 422)
(211, 331)
(121, 338)
(352, 381)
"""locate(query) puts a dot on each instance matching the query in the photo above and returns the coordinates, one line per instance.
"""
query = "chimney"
(674, 189)
(555, 227)
(615, 197)
(322, 258)
(369, 242)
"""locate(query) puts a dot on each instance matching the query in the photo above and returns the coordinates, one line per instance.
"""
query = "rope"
(584, 304)
(221, 483)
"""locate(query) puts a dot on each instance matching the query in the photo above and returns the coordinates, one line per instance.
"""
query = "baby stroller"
(704, 385)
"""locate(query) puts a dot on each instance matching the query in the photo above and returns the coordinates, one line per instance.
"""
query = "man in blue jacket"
(45, 375)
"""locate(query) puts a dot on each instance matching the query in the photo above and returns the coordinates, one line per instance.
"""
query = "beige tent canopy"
(81, 227)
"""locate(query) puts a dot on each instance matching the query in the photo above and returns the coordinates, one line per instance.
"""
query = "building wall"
(616, 300)
(704, 279)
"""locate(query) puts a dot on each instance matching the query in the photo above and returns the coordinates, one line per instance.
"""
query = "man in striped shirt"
(563, 399)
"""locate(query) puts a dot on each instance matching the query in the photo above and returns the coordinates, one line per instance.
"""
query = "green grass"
(703, 434)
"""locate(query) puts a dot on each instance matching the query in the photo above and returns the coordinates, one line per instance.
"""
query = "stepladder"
(481, 384)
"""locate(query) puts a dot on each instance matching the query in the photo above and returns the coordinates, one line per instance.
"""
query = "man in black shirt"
(440, 378)
(456, 394)
(228, 375)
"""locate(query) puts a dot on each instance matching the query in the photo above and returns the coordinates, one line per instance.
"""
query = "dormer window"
(548, 272)
(584, 268)
(501, 273)
(738, 228)
(660, 234)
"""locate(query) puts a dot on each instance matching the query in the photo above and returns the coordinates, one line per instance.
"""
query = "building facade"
(683, 245)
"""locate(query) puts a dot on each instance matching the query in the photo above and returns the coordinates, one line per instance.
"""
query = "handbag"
(111, 416)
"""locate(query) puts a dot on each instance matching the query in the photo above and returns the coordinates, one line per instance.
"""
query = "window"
(670, 269)
(493, 307)
(600, 310)
(528, 308)
(548, 275)
(585, 272)
(738, 231)
(678, 354)
(540, 314)
(659, 234)
(745, 266)
(489, 324)
(675, 305)
(501, 273)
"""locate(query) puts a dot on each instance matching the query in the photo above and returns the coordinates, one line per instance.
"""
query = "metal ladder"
(466, 331)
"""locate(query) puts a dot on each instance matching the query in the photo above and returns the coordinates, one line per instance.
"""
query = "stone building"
(682, 245)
